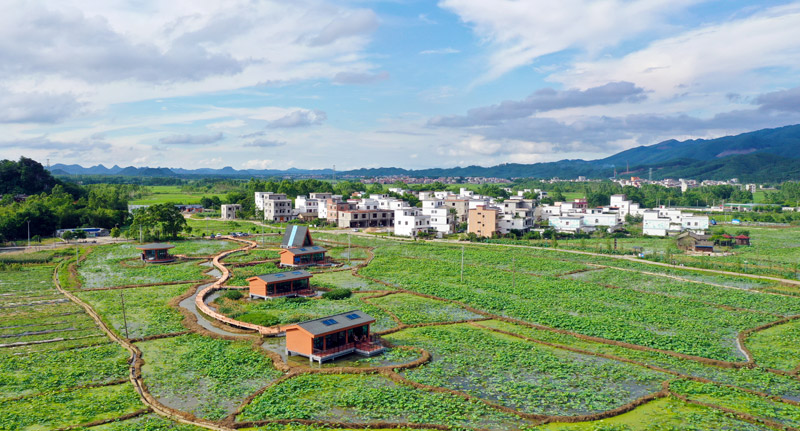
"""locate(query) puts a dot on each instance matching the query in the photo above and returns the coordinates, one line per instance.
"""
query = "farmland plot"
(370, 398)
(777, 347)
(118, 265)
(523, 375)
(412, 309)
(146, 308)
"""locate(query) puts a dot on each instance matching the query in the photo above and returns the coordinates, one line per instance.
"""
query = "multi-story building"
(303, 205)
(410, 221)
(441, 219)
(483, 220)
(664, 221)
(228, 212)
(364, 218)
(323, 205)
(461, 205)
(517, 214)
(334, 207)
(277, 208)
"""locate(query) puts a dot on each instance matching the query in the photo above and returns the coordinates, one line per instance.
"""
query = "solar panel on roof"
(279, 275)
(353, 316)
(329, 322)
(302, 249)
(296, 272)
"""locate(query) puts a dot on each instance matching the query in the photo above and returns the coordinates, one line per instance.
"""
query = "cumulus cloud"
(359, 78)
(189, 139)
(44, 41)
(546, 99)
(299, 118)
(265, 143)
(36, 107)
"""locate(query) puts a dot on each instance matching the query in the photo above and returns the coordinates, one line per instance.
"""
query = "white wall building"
(228, 212)
(409, 221)
(663, 221)
(439, 213)
(303, 204)
(275, 205)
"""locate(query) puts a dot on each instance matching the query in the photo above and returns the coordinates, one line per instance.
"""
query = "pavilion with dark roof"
(281, 284)
(296, 237)
(330, 337)
(156, 252)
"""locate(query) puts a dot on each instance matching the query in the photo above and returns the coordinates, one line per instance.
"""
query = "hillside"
(760, 156)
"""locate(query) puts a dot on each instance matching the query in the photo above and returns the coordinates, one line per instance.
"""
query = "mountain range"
(761, 156)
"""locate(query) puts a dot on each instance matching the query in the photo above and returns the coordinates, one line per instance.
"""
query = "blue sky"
(414, 84)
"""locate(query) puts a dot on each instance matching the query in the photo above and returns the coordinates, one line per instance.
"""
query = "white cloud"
(715, 58)
(257, 164)
(232, 124)
(521, 31)
(447, 50)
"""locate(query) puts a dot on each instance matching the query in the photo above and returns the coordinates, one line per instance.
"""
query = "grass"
(205, 376)
(146, 309)
(149, 422)
(172, 194)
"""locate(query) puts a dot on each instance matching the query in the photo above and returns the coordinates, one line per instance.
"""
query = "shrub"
(298, 317)
(259, 318)
(337, 294)
(233, 294)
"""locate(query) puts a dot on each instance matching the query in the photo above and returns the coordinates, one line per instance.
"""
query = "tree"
(68, 235)
(80, 234)
(115, 232)
(158, 221)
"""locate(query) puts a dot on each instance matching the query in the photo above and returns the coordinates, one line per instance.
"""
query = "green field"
(172, 194)
(530, 338)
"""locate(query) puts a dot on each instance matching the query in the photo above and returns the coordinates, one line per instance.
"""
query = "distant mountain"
(763, 155)
(783, 141)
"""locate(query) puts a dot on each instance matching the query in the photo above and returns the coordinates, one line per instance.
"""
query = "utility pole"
(462, 264)
(29, 234)
(513, 275)
(124, 318)
(348, 250)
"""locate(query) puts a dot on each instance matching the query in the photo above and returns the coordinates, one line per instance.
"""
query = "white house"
(567, 223)
(663, 221)
(409, 221)
(275, 206)
(441, 220)
(228, 212)
(303, 204)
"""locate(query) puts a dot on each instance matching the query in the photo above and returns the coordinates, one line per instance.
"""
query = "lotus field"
(515, 338)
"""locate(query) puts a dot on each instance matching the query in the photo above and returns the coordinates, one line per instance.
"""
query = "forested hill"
(26, 177)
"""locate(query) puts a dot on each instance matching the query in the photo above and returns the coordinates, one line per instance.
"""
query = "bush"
(299, 317)
(259, 318)
(233, 294)
(337, 294)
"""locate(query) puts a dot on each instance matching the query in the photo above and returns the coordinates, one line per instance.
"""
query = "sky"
(261, 84)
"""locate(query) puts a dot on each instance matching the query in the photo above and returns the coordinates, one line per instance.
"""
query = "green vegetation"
(150, 422)
(777, 347)
(364, 398)
(337, 294)
(226, 371)
(412, 309)
(293, 310)
(523, 375)
(61, 409)
(241, 274)
(347, 280)
(783, 413)
(253, 255)
(662, 414)
(146, 309)
(119, 265)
